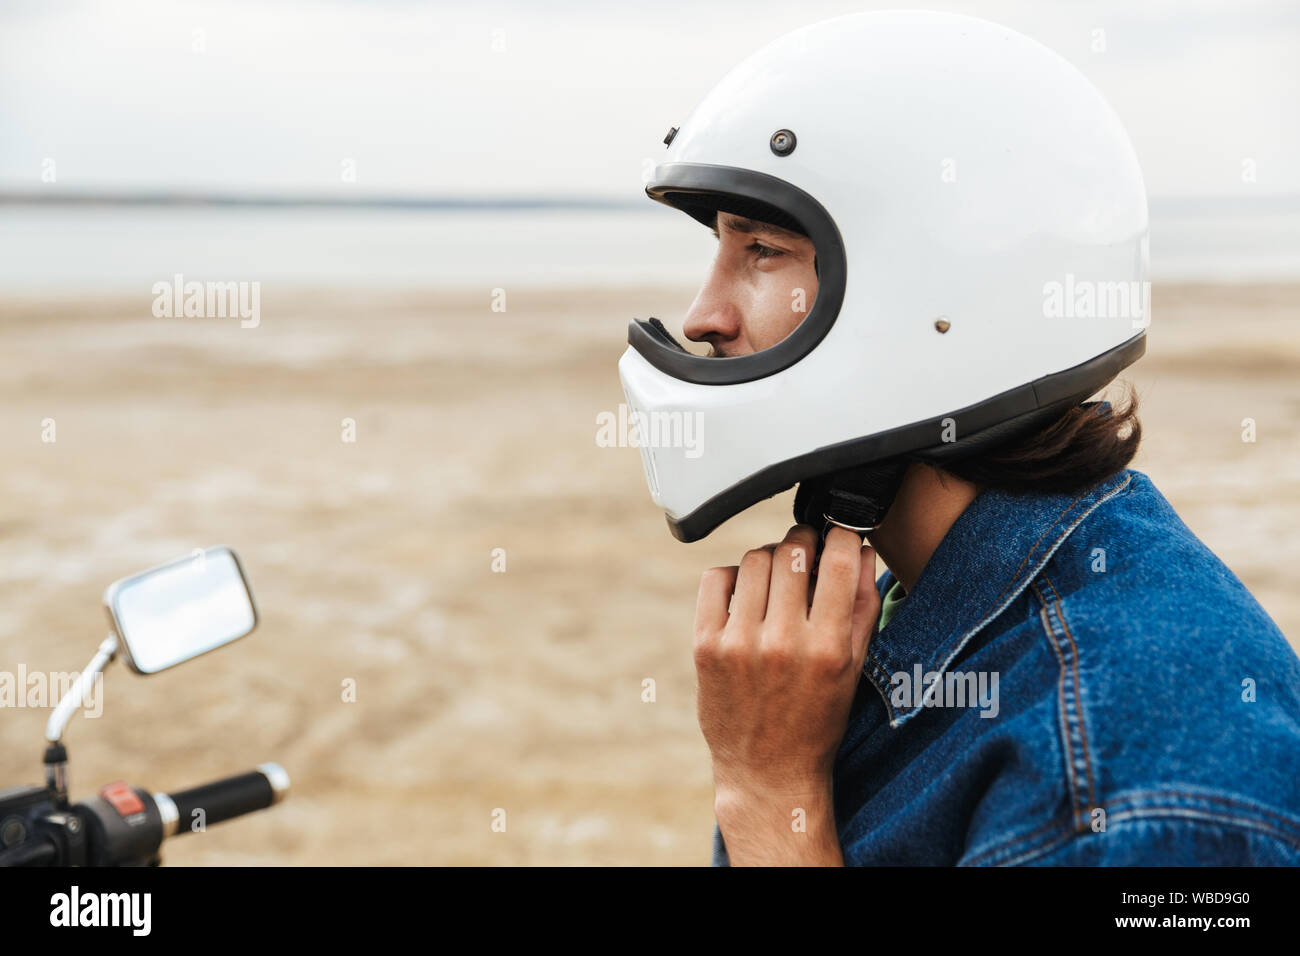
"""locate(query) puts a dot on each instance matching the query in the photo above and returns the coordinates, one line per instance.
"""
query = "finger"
(716, 585)
(837, 583)
(866, 608)
(792, 563)
(752, 581)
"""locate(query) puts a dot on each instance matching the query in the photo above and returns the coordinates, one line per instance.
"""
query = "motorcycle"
(160, 618)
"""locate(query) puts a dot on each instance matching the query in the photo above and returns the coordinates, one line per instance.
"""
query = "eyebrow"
(751, 226)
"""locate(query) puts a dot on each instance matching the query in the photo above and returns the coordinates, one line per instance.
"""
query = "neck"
(928, 502)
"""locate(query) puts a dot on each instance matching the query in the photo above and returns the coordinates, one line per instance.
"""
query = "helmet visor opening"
(781, 252)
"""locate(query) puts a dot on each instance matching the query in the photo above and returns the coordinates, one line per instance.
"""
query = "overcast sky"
(567, 98)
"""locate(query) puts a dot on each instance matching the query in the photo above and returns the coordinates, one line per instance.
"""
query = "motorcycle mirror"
(182, 609)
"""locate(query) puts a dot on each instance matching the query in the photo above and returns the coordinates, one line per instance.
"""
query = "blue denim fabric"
(1125, 731)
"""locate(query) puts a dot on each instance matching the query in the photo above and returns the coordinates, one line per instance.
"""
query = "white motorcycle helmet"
(980, 226)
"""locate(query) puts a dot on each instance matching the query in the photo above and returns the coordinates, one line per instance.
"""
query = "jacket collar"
(994, 549)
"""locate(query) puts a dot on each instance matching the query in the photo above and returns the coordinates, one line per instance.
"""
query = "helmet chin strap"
(853, 498)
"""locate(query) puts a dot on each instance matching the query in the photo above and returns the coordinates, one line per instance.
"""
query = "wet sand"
(371, 561)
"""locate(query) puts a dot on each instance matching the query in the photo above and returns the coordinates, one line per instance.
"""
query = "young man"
(1144, 708)
(1061, 673)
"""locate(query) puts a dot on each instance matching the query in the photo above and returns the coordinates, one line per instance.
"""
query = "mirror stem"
(76, 694)
(56, 757)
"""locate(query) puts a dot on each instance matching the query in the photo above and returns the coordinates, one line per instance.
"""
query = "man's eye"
(765, 252)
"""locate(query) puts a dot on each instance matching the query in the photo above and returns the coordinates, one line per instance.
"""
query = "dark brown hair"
(1088, 444)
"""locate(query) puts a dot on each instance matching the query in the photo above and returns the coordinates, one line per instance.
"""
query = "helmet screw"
(669, 138)
(942, 324)
(783, 142)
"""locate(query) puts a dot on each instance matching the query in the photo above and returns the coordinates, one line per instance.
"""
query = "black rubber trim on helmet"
(700, 190)
(976, 427)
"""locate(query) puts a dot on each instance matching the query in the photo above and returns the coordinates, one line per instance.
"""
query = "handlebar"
(223, 799)
(124, 825)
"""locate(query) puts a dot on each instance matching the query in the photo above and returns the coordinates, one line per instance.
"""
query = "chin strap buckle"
(861, 531)
(859, 498)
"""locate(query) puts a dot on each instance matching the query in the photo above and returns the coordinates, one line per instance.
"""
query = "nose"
(714, 316)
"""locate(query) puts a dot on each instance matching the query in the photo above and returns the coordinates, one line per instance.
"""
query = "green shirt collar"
(893, 597)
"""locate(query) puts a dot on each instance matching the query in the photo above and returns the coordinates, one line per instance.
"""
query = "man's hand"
(777, 674)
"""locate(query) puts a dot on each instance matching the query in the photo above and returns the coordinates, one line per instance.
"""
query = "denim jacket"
(1126, 699)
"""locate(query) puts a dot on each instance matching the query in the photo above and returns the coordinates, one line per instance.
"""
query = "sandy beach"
(372, 561)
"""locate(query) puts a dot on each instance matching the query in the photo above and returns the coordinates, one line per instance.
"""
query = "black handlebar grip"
(232, 797)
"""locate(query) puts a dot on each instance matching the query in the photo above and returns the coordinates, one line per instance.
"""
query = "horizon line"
(55, 197)
(40, 197)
